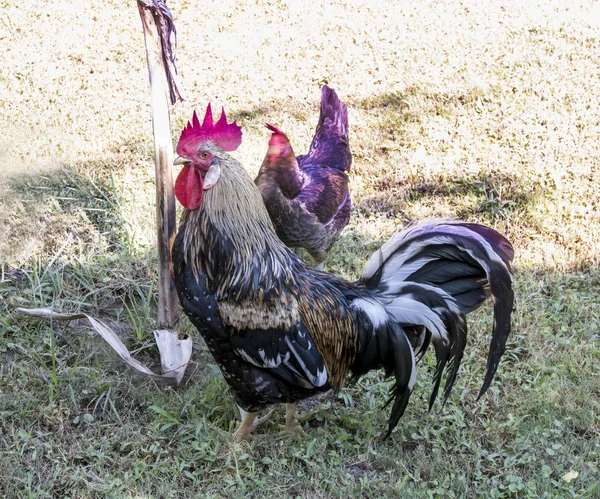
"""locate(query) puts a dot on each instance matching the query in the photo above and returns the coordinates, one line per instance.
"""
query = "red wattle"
(189, 187)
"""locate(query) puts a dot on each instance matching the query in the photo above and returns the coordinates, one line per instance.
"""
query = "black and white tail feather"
(425, 280)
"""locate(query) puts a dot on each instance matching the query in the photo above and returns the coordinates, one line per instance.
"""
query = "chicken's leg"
(291, 420)
(249, 423)
(319, 257)
(246, 426)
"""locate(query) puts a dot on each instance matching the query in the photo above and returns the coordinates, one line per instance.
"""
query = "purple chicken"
(307, 196)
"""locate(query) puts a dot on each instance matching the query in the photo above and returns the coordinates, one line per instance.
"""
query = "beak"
(180, 160)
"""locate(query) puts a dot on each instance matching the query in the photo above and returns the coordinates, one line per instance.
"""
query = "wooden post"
(168, 310)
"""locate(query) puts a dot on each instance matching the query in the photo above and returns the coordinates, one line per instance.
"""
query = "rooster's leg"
(249, 423)
(245, 427)
(319, 256)
(291, 420)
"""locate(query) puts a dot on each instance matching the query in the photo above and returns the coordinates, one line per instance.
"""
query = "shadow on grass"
(79, 199)
(491, 196)
(287, 107)
(83, 403)
(349, 255)
(72, 236)
(438, 103)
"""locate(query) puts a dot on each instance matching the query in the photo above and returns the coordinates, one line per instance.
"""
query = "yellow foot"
(292, 418)
(295, 429)
(249, 423)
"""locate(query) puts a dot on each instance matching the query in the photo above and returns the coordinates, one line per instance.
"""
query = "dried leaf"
(160, 29)
(175, 353)
(570, 476)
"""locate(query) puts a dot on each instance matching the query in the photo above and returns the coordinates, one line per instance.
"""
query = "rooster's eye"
(204, 155)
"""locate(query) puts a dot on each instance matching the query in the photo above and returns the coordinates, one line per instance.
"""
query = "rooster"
(307, 196)
(282, 331)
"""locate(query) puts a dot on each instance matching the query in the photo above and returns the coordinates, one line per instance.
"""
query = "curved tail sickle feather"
(443, 270)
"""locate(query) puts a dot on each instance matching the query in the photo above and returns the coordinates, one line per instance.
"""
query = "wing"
(290, 354)
(324, 193)
(306, 338)
(267, 331)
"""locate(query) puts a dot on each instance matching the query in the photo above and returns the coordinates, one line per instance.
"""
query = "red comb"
(279, 144)
(273, 129)
(227, 136)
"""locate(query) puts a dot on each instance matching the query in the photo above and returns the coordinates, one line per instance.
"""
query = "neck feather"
(283, 173)
(232, 237)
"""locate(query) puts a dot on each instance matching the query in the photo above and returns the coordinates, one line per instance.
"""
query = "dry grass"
(481, 110)
(441, 93)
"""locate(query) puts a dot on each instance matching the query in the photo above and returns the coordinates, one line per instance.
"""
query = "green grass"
(478, 110)
(73, 422)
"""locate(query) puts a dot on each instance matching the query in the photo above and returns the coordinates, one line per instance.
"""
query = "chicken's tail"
(330, 145)
(333, 110)
(427, 278)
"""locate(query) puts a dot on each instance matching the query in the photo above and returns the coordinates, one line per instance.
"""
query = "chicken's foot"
(249, 423)
(291, 420)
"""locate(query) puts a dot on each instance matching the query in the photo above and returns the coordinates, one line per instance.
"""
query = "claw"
(285, 430)
(264, 419)
(303, 417)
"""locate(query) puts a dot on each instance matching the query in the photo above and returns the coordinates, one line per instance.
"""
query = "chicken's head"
(199, 148)
(279, 145)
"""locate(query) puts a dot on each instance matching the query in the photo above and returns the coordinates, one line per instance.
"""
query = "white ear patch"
(212, 176)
